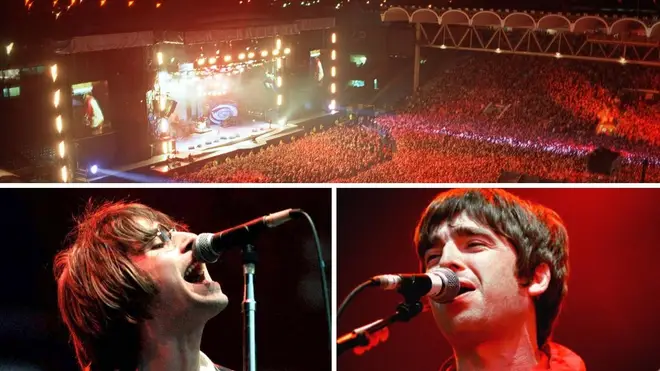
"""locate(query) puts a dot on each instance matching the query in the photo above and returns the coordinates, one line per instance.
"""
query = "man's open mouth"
(464, 290)
(194, 273)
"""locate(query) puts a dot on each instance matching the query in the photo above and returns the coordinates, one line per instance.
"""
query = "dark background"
(291, 324)
(610, 316)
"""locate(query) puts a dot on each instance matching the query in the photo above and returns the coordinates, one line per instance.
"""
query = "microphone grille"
(203, 250)
(451, 285)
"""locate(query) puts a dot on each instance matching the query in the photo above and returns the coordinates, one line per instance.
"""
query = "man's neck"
(515, 353)
(163, 351)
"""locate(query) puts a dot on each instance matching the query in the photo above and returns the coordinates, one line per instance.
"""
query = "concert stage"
(216, 145)
(217, 136)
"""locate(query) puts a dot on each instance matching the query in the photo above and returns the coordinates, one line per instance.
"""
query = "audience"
(492, 113)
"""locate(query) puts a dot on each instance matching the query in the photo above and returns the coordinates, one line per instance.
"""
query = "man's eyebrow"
(464, 231)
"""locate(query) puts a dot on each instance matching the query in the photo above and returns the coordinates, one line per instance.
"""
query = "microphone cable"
(352, 295)
(324, 280)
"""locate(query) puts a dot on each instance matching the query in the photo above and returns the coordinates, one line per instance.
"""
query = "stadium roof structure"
(578, 23)
(620, 39)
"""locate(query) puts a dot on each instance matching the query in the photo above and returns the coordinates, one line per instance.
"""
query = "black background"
(291, 324)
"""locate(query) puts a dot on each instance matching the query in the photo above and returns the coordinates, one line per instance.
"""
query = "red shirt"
(561, 359)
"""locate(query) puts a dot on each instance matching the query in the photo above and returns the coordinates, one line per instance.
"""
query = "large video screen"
(316, 66)
(90, 107)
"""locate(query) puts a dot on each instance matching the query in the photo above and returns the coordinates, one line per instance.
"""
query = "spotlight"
(164, 125)
(94, 169)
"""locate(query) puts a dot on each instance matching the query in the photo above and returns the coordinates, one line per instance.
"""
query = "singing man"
(131, 294)
(511, 257)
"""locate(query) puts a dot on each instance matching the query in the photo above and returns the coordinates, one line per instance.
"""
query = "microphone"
(440, 284)
(208, 247)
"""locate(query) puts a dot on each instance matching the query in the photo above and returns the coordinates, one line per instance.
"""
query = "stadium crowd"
(492, 113)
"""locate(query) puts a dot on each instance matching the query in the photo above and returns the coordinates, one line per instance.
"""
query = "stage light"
(160, 58)
(333, 55)
(251, 55)
(163, 125)
(201, 61)
(162, 77)
(56, 98)
(498, 50)
(333, 88)
(9, 48)
(279, 99)
(58, 124)
(622, 60)
(164, 147)
(282, 121)
(264, 53)
(279, 81)
(287, 51)
(334, 38)
(61, 149)
(557, 55)
(213, 60)
(94, 169)
(276, 52)
(278, 63)
(64, 174)
(278, 44)
(53, 72)
(131, 2)
(332, 105)
(333, 71)
(227, 58)
(443, 46)
(241, 56)
(158, 5)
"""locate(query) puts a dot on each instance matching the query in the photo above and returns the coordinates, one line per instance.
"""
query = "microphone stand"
(360, 336)
(250, 258)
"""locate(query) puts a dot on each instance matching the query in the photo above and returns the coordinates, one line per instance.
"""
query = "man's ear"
(540, 281)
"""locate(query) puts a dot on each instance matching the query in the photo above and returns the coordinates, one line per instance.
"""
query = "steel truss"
(589, 47)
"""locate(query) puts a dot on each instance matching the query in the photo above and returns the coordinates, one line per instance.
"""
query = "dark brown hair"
(102, 295)
(537, 234)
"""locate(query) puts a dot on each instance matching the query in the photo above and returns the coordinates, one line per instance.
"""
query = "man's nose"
(451, 258)
(184, 241)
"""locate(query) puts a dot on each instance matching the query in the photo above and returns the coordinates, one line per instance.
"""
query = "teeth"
(192, 267)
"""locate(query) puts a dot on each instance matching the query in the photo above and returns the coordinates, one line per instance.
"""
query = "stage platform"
(216, 144)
